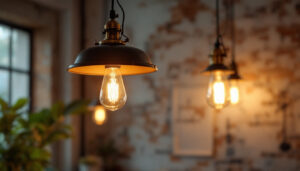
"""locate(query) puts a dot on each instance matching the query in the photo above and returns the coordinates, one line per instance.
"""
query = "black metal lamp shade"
(92, 61)
(112, 51)
(216, 68)
(217, 60)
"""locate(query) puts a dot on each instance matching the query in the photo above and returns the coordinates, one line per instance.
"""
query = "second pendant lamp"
(218, 95)
(111, 58)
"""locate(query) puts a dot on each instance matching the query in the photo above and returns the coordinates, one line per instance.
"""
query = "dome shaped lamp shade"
(93, 61)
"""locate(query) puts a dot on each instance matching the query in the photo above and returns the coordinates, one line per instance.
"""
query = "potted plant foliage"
(25, 137)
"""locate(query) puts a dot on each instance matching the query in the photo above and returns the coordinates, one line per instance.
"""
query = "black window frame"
(10, 69)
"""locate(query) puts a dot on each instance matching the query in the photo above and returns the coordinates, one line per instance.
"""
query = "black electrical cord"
(222, 46)
(123, 21)
(217, 19)
(219, 41)
(112, 13)
(123, 16)
(232, 30)
(112, 5)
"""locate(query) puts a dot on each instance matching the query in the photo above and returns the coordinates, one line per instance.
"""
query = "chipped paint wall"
(178, 35)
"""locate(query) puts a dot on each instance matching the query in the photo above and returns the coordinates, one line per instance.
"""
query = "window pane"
(4, 45)
(20, 49)
(20, 86)
(4, 92)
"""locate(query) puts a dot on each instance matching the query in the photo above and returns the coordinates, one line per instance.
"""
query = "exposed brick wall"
(179, 35)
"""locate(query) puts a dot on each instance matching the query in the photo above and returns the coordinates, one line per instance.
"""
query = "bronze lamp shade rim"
(92, 61)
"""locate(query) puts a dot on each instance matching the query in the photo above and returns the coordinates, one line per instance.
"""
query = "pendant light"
(233, 78)
(112, 58)
(218, 88)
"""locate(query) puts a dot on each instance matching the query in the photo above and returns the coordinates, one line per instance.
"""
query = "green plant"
(24, 137)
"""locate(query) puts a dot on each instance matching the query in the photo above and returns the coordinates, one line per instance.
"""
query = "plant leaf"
(44, 117)
(20, 103)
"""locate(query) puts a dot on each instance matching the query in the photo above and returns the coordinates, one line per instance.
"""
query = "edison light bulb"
(113, 95)
(99, 115)
(217, 93)
(234, 92)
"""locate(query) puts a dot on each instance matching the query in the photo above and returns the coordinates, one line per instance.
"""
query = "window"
(15, 63)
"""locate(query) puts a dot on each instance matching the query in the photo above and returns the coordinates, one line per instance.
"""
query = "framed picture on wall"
(192, 123)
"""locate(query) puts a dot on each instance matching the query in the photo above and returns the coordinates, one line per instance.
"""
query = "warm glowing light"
(99, 115)
(113, 90)
(234, 95)
(217, 93)
(113, 95)
(234, 92)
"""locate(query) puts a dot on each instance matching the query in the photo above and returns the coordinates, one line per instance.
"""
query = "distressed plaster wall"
(178, 35)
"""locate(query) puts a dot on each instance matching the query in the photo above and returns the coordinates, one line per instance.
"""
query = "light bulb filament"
(219, 92)
(113, 90)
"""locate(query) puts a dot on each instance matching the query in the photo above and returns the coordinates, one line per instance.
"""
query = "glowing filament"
(113, 90)
(234, 95)
(219, 93)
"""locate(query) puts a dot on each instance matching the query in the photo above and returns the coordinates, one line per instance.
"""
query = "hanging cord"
(112, 13)
(112, 5)
(232, 17)
(219, 42)
(217, 19)
(123, 21)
